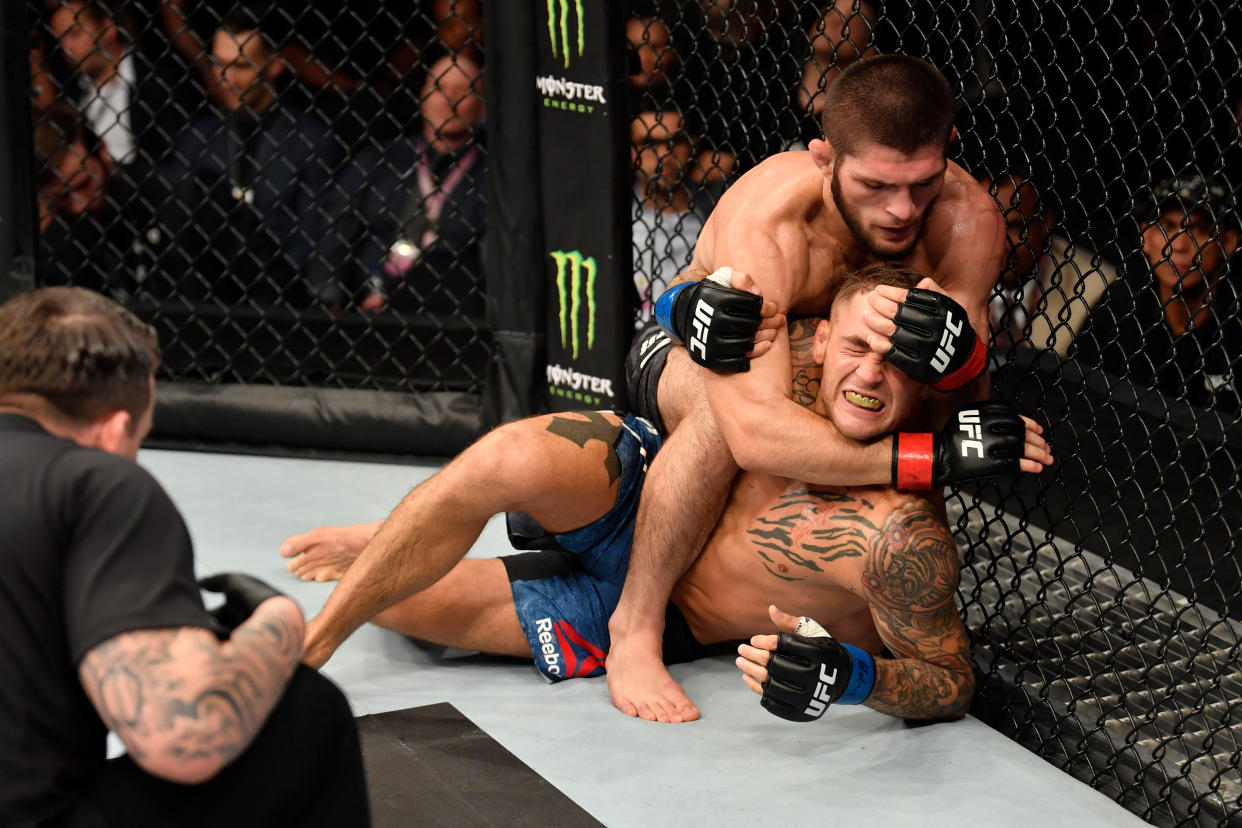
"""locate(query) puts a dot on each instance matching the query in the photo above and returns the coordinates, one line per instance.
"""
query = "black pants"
(303, 769)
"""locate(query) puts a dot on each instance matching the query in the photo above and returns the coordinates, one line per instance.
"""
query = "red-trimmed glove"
(982, 440)
(934, 341)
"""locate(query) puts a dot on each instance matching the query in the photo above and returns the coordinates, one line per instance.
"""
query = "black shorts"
(643, 366)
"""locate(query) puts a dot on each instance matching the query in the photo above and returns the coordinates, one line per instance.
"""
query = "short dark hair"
(896, 101)
(81, 352)
(876, 274)
(243, 20)
(1190, 193)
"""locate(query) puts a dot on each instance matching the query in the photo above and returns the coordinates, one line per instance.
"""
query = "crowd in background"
(267, 153)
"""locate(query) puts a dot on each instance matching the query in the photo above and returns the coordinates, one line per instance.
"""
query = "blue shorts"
(564, 599)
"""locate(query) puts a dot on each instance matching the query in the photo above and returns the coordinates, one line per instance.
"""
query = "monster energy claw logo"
(570, 290)
(558, 28)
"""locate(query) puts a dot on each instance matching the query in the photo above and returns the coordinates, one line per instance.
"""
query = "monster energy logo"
(558, 24)
(570, 291)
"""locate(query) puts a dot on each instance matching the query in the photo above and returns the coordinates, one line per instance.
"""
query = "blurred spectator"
(84, 239)
(250, 178)
(648, 36)
(757, 68)
(1049, 285)
(135, 103)
(1174, 324)
(842, 35)
(43, 87)
(366, 54)
(666, 223)
(409, 216)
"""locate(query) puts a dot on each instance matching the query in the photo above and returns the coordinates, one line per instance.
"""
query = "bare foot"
(640, 684)
(325, 553)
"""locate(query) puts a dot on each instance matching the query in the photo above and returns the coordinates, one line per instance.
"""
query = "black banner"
(584, 183)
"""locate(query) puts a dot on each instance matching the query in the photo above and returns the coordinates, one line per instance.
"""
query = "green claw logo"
(571, 266)
(558, 24)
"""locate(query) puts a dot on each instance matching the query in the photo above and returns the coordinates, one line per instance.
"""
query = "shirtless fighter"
(877, 567)
(878, 188)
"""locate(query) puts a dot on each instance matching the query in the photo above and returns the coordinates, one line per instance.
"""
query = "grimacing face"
(863, 394)
(885, 196)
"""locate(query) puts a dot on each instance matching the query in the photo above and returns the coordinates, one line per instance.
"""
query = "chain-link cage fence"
(1103, 596)
(293, 194)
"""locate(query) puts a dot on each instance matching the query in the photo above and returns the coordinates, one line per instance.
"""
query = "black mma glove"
(807, 674)
(981, 440)
(717, 323)
(242, 594)
(934, 341)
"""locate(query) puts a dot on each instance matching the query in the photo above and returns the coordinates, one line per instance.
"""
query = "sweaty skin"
(781, 229)
(873, 565)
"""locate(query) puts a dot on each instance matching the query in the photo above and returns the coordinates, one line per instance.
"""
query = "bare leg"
(560, 476)
(692, 471)
(470, 608)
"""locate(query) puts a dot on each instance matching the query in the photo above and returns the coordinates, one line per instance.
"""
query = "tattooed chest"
(804, 535)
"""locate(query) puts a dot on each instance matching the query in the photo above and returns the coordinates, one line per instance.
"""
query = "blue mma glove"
(810, 671)
(715, 321)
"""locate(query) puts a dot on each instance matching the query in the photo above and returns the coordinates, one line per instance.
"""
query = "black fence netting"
(1103, 596)
(295, 195)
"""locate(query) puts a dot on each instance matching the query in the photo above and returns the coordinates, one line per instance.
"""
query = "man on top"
(875, 566)
(878, 188)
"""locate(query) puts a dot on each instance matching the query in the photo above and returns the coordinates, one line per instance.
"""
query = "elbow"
(965, 696)
(958, 703)
(187, 770)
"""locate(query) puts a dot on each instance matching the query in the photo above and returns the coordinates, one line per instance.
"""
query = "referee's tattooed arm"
(186, 704)
(910, 580)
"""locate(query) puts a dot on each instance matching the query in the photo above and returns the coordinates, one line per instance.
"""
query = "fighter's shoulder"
(968, 205)
(774, 188)
(913, 560)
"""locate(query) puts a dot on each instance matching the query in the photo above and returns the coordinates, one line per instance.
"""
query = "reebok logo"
(948, 343)
(968, 424)
(702, 325)
(823, 693)
(547, 649)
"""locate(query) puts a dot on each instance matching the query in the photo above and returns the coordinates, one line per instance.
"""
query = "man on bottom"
(877, 567)
(102, 625)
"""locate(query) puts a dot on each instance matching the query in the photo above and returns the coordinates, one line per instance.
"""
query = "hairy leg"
(558, 468)
(682, 498)
(470, 608)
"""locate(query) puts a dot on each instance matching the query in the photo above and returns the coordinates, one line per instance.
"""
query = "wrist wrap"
(913, 456)
(664, 309)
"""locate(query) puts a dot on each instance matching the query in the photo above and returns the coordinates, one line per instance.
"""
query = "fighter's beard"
(855, 226)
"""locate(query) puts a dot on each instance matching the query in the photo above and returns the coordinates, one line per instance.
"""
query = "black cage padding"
(18, 239)
(513, 260)
(381, 422)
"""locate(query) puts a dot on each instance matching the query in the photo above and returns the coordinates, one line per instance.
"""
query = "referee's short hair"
(80, 352)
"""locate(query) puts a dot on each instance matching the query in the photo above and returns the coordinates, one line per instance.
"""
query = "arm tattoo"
(910, 579)
(596, 427)
(180, 695)
(793, 532)
(806, 372)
